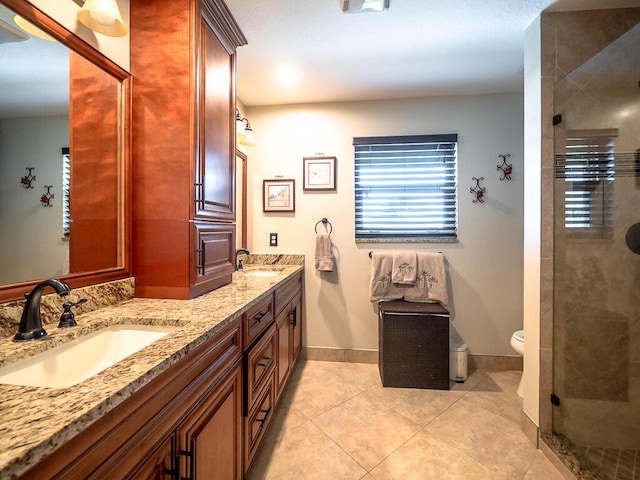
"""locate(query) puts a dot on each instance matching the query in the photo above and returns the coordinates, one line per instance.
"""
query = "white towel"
(431, 280)
(381, 287)
(324, 259)
(404, 268)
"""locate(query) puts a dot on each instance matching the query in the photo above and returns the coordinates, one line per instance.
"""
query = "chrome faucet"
(31, 324)
(239, 262)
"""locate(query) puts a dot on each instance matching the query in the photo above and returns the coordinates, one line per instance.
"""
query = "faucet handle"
(68, 319)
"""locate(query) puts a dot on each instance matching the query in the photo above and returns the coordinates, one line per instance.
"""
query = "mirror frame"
(16, 291)
(243, 195)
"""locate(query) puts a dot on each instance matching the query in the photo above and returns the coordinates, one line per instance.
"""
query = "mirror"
(64, 110)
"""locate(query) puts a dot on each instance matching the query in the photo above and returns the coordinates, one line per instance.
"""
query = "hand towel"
(431, 280)
(324, 259)
(404, 268)
(381, 287)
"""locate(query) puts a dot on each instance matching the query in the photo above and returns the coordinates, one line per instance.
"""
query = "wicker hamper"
(413, 345)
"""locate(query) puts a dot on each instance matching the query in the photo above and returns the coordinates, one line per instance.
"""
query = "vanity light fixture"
(32, 29)
(103, 16)
(244, 132)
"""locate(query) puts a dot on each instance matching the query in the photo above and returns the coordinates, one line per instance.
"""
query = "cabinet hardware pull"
(263, 419)
(199, 192)
(260, 316)
(189, 454)
(267, 362)
(175, 472)
(293, 320)
(200, 265)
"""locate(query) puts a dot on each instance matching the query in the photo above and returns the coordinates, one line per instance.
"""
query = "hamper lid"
(457, 346)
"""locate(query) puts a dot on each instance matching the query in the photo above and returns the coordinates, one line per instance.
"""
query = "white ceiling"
(416, 48)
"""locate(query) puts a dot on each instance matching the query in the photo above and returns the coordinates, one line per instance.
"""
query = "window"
(66, 210)
(405, 187)
(588, 168)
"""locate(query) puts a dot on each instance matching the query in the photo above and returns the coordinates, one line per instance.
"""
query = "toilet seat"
(517, 343)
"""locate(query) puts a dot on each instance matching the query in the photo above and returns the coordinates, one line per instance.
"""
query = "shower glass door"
(596, 351)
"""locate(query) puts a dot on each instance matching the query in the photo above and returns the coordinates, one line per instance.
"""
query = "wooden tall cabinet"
(183, 65)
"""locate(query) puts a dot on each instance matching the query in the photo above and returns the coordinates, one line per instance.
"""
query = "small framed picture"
(279, 195)
(319, 173)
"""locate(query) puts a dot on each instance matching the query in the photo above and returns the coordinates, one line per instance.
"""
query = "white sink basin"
(261, 273)
(82, 358)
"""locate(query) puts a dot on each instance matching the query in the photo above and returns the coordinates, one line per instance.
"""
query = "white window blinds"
(405, 186)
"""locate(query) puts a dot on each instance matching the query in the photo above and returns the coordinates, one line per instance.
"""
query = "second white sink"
(261, 273)
(82, 358)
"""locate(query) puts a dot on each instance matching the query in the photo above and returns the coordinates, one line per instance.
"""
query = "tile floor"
(336, 421)
(616, 464)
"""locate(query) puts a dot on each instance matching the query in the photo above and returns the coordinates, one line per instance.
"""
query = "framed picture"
(319, 173)
(278, 195)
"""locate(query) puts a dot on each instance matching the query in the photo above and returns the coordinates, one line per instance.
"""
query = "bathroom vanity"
(211, 385)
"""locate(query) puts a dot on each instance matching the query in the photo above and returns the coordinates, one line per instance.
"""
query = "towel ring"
(324, 221)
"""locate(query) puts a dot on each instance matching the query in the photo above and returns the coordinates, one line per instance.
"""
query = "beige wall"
(485, 267)
(116, 48)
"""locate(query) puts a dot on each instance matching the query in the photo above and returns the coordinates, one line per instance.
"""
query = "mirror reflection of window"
(589, 172)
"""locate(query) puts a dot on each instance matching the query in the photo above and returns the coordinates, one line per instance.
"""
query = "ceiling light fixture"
(361, 6)
(32, 29)
(103, 16)
(244, 132)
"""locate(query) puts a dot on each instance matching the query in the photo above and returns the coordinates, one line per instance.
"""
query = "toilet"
(517, 343)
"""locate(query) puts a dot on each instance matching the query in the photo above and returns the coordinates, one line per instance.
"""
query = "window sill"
(408, 240)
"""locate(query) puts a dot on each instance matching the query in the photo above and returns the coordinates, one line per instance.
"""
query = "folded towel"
(404, 268)
(381, 287)
(324, 259)
(431, 280)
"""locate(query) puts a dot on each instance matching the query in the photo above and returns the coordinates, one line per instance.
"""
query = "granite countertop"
(35, 421)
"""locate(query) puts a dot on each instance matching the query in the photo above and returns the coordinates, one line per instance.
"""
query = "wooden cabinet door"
(161, 465)
(283, 342)
(215, 118)
(296, 328)
(210, 438)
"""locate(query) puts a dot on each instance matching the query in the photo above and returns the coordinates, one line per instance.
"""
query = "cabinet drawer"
(285, 293)
(257, 319)
(260, 363)
(257, 421)
(211, 256)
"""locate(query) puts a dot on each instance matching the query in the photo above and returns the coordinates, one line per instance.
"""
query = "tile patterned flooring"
(336, 421)
(614, 463)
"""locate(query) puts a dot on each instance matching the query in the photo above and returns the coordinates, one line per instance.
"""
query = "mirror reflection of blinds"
(589, 168)
(406, 186)
(66, 175)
